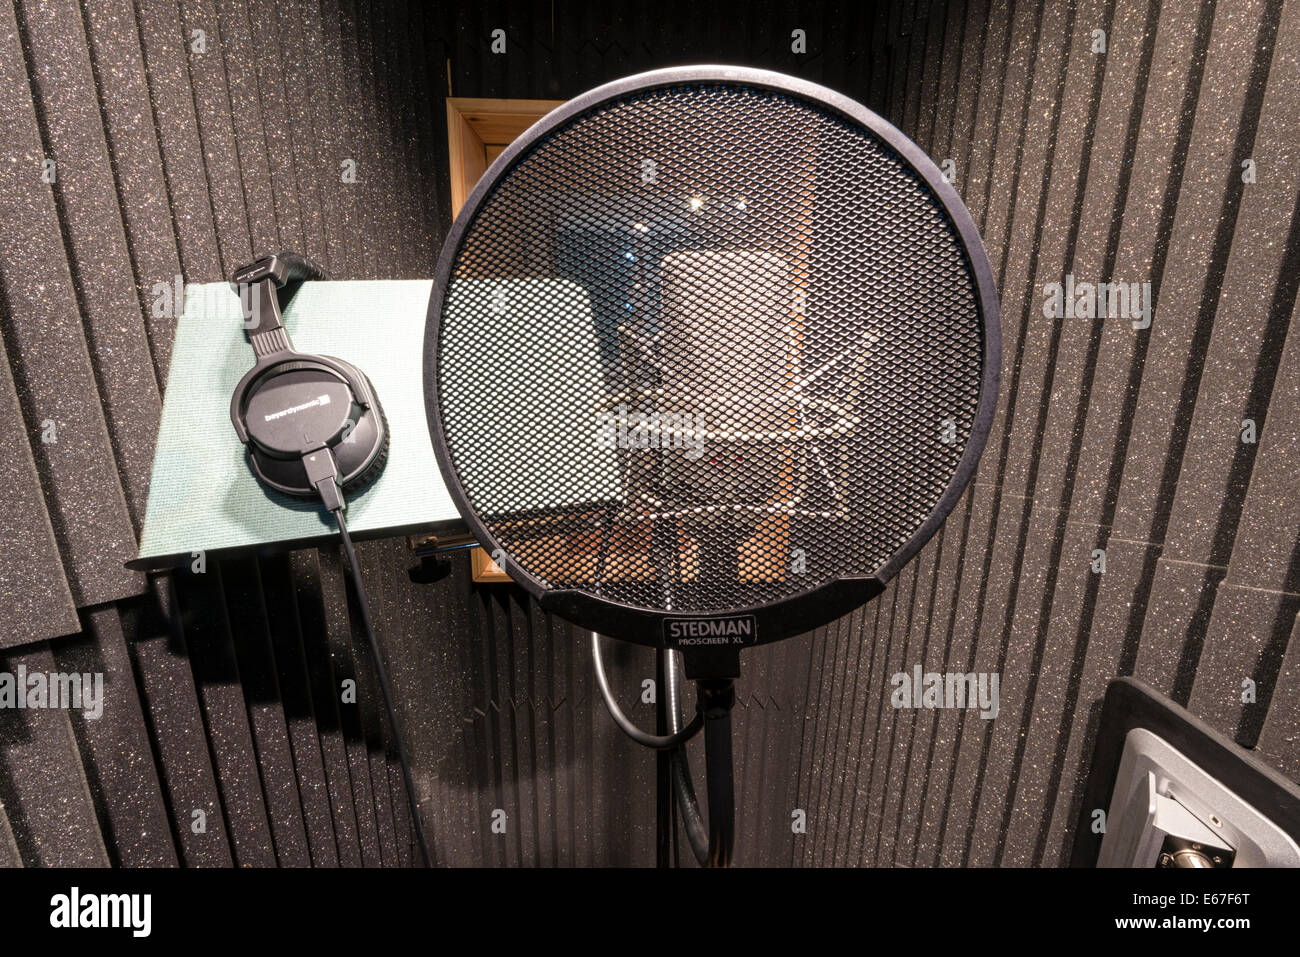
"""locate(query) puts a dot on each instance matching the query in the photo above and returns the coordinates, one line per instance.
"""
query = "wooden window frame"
(477, 131)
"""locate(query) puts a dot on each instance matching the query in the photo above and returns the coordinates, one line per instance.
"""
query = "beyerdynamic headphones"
(313, 426)
(305, 419)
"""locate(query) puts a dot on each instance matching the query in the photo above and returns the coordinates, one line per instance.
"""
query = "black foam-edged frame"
(1131, 704)
(788, 616)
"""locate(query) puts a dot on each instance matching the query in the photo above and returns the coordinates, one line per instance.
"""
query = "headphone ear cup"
(377, 464)
(379, 457)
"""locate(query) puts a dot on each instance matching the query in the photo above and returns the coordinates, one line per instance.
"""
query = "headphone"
(312, 424)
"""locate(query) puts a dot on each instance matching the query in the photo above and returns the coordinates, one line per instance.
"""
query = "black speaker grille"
(705, 347)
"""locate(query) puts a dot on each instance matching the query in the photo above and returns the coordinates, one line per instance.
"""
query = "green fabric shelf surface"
(204, 498)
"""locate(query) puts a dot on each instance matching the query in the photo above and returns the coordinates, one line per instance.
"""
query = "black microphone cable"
(713, 716)
(683, 786)
(716, 698)
(323, 473)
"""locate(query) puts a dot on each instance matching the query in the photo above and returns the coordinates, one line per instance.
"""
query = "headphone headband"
(310, 418)
(271, 282)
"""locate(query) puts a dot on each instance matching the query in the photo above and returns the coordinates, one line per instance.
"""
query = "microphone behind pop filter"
(711, 353)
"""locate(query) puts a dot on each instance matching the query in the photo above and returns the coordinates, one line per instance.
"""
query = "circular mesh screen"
(706, 347)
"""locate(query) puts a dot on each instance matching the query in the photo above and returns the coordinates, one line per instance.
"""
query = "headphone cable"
(322, 473)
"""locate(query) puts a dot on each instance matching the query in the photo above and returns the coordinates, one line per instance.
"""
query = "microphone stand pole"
(714, 672)
(663, 767)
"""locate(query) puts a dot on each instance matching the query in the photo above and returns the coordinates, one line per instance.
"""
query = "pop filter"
(711, 353)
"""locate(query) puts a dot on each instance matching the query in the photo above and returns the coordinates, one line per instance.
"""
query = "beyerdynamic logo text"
(319, 400)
